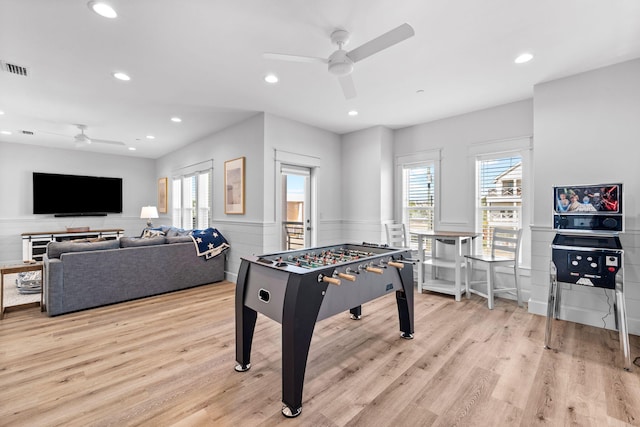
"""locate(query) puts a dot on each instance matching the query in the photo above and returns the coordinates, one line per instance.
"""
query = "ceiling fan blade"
(293, 58)
(348, 88)
(51, 133)
(106, 141)
(382, 42)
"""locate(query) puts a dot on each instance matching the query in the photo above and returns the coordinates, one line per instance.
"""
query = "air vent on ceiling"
(18, 70)
(26, 132)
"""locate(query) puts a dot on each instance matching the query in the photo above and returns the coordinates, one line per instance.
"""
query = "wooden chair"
(505, 250)
(396, 235)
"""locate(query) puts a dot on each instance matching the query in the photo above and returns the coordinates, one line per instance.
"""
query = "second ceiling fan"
(341, 62)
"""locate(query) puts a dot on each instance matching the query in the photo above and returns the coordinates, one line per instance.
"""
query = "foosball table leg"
(356, 313)
(404, 300)
(245, 323)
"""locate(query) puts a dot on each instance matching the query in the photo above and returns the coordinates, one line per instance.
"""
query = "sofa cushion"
(128, 242)
(179, 239)
(55, 249)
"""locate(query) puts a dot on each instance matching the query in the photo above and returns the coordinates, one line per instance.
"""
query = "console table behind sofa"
(34, 244)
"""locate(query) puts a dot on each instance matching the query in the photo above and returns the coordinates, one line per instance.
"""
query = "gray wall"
(586, 132)
(17, 162)
(290, 142)
(367, 195)
(455, 137)
(257, 139)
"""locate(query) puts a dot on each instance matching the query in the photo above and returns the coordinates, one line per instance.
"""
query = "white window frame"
(522, 147)
(424, 158)
(484, 241)
(184, 214)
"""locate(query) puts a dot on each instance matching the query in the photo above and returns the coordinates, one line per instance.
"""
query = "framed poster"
(234, 186)
(162, 195)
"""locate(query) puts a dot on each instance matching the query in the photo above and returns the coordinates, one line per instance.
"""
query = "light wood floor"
(168, 361)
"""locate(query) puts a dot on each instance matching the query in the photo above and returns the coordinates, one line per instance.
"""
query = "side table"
(13, 269)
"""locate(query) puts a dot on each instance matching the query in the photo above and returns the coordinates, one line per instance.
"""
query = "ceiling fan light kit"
(340, 64)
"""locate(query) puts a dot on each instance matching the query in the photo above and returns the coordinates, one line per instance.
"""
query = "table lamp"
(149, 212)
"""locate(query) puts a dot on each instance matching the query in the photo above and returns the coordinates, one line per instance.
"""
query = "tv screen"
(588, 199)
(76, 194)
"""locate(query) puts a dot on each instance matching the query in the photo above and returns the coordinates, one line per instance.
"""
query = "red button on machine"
(612, 269)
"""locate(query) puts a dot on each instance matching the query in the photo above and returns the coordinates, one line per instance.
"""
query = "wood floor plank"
(168, 361)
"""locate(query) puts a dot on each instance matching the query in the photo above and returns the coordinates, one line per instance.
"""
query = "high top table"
(461, 239)
(13, 269)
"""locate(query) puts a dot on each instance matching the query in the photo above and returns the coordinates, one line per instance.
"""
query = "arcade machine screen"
(588, 208)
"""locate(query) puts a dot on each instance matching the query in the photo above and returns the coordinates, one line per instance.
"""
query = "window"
(499, 195)
(191, 202)
(418, 198)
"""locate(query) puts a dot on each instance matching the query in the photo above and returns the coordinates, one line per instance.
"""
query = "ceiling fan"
(341, 62)
(82, 139)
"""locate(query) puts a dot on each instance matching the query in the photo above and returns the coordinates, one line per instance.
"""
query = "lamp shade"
(149, 212)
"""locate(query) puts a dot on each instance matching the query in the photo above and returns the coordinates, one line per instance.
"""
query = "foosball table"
(299, 288)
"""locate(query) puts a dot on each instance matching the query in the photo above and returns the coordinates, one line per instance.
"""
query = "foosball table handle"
(373, 270)
(395, 264)
(349, 277)
(332, 280)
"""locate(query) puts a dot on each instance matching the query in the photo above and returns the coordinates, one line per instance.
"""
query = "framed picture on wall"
(162, 195)
(234, 186)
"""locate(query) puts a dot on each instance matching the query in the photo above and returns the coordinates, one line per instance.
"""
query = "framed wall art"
(162, 195)
(234, 186)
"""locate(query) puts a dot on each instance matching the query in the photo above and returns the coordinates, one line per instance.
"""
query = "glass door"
(296, 207)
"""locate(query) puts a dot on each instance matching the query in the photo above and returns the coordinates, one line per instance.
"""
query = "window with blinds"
(499, 202)
(191, 205)
(418, 198)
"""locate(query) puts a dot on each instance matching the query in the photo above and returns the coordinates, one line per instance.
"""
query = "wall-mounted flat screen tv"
(76, 195)
(588, 199)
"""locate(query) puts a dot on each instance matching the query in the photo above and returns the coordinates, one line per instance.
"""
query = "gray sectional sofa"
(81, 275)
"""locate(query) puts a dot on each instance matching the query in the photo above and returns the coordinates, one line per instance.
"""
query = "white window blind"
(418, 198)
(499, 202)
(191, 205)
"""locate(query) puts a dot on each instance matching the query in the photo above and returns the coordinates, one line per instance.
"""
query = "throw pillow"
(152, 232)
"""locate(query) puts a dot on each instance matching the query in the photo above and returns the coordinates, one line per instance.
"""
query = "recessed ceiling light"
(132, 148)
(103, 9)
(122, 76)
(271, 78)
(353, 113)
(150, 137)
(5, 132)
(1, 113)
(525, 57)
(176, 119)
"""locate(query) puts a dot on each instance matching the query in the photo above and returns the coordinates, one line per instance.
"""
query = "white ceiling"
(202, 60)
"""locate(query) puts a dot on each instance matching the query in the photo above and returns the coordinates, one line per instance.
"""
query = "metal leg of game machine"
(245, 323)
(552, 304)
(621, 321)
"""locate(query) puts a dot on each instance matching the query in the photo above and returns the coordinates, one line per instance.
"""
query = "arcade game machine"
(586, 250)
